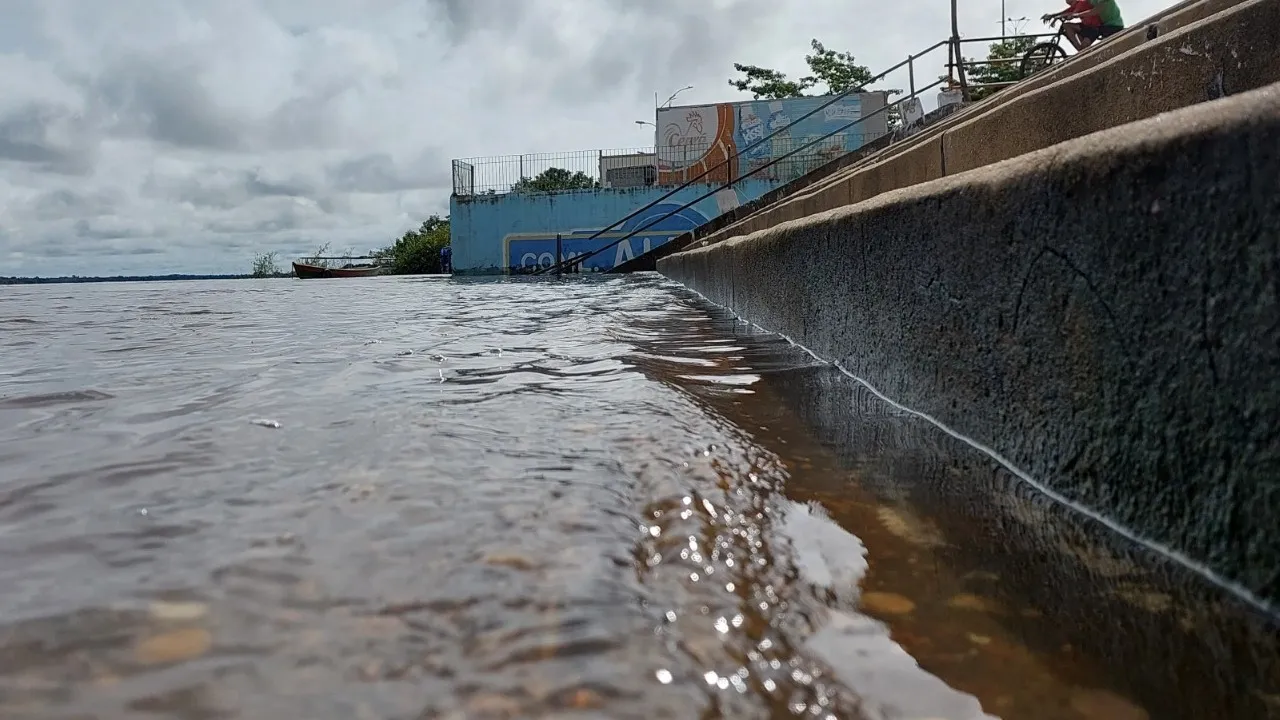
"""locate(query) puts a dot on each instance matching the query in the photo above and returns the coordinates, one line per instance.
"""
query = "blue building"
(516, 232)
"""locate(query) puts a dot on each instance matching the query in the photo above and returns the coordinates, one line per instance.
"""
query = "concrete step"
(1201, 50)
(1100, 316)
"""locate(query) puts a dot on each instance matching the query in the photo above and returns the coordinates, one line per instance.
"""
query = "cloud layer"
(141, 136)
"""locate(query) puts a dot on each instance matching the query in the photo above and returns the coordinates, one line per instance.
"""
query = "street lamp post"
(655, 132)
(655, 144)
(673, 95)
(959, 57)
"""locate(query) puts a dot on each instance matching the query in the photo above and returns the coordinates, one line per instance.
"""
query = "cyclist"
(1097, 20)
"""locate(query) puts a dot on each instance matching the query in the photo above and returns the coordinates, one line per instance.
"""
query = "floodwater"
(427, 498)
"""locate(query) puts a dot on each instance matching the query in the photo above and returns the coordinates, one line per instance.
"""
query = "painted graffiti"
(527, 251)
(717, 139)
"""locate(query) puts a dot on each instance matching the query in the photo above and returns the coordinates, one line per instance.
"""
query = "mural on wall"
(697, 138)
(528, 251)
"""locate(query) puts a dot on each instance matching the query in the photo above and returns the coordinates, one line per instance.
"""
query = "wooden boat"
(304, 271)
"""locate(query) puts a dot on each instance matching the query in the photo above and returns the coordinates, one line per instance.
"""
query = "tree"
(264, 265)
(417, 252)
(837, 71)
(830, 71)
(556, 179)
(998, 72)
(317, 258)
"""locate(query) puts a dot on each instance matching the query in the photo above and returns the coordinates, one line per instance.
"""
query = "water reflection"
(1037, 611)
(450, 513)
(1059, 583)
(535, 499)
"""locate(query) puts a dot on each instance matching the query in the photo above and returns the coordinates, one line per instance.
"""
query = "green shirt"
(1109, 11)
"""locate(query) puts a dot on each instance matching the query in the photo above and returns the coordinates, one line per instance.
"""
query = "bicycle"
(1043, 54)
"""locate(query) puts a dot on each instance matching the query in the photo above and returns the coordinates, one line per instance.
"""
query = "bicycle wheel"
(1039, 57)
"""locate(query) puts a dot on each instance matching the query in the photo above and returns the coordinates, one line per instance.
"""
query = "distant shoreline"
(128, 278)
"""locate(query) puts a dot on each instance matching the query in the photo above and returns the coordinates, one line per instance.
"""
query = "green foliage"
(836, 71)
(555, 180)
(831, 73)
(1011, 49)
(315, 259)
(766, 83)
(265, 265)
(417, 252)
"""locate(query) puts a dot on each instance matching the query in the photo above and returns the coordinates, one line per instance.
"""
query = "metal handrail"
(834, 98)
(955, 64)
(1006, 38)
(559, 267)
(953, 46)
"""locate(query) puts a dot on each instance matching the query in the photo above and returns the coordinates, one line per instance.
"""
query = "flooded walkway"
(400, 498)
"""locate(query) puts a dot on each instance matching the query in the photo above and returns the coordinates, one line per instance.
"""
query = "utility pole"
(1003, 33)
(955, 41)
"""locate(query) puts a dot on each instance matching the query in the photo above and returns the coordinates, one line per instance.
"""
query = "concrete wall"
(1102, 313)
(1044, 556)
(1202, 51)
(493, 234)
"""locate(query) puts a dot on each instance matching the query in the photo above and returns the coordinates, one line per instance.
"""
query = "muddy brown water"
(423, 498)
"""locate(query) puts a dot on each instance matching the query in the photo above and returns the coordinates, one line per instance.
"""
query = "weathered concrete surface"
(1203, 50)
(1104, 313)
(1160, 623)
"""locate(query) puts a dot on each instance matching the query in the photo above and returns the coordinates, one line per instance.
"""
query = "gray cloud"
(185, 135)
(380, 173)
(465, 17)
(63, 203)
(163, 99)
(53, 138)
(258, 185)
(217, 188)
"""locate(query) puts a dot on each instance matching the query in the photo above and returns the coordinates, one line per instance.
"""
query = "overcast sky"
(153, 136)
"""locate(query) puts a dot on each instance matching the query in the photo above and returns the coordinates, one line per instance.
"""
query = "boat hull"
(305, 271)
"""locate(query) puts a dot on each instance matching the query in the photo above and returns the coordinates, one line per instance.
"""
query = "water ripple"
(409, 498)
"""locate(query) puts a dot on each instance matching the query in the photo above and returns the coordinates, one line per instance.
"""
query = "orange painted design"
(722, 148)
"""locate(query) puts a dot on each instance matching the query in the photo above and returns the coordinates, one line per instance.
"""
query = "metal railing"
(977, 90)
(464, 178)
(648, 166)
(642, 167)
(956, 66)
(811, 151)
(896, 106)
(507, 173)
(954, 47)
(568, 264)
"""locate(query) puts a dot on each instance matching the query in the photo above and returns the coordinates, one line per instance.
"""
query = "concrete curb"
(1102, 313)
(1205, 50)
